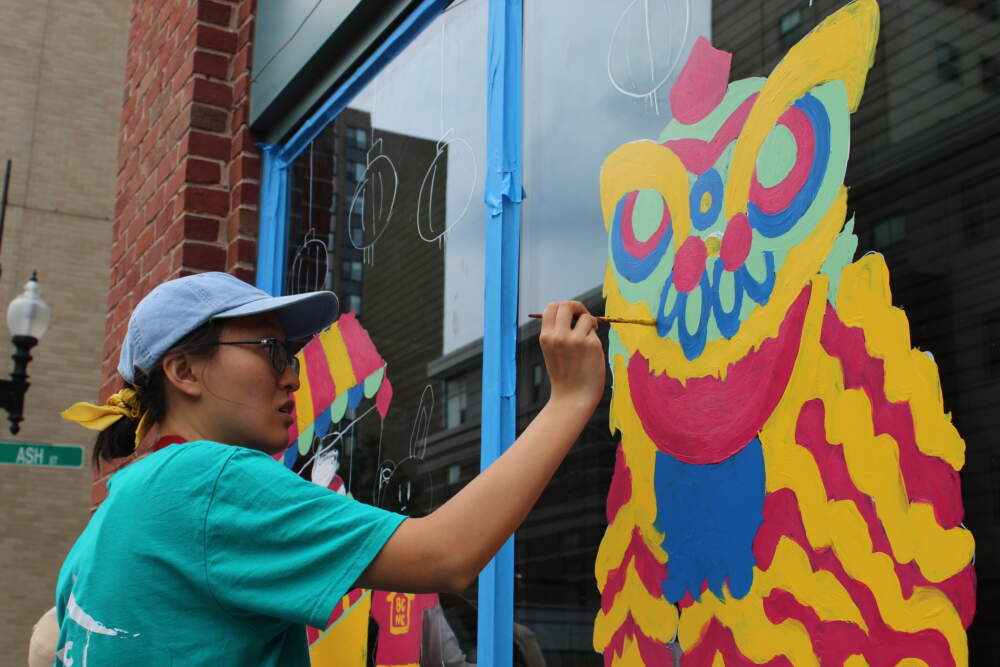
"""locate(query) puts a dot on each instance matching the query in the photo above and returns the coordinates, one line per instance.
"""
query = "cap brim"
(301, 315)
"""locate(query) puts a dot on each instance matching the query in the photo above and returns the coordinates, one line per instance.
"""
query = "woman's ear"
(184, 374)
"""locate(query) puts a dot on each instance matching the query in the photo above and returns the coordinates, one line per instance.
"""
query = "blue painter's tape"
(710, 515)
(503, 114)
(273, 234)
(502, 194)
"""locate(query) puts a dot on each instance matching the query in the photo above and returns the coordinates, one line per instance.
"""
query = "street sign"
(41, 455)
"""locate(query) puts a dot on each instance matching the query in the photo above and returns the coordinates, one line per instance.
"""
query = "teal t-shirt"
(211, 554)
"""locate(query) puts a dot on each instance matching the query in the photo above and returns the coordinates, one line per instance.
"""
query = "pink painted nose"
(689, 264)
(736, 242)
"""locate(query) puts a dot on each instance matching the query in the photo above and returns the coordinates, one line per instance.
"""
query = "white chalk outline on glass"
(446, 140)
(310, 238)
(337, 437)
(418, 445)
(369, 248)
(650, 94)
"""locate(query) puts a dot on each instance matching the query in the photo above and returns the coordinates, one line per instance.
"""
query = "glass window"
(889, 232)
(922, 177)
(410, 231)
(990, 74)
(456, 402)
(537, 382)
(357, 137)
(949, 61)
(589, 85)
(790, 27)
(356, 171)
(991, 325)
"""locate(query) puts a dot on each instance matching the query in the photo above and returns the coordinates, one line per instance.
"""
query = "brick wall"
(188, 165)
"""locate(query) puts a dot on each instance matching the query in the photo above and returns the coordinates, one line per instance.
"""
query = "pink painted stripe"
(621, 486)
(651, 651)
(365, 359)
(698, 156)
(651, 572)
(321, 385)
(928, 479)
(883, 644)
(810, 432)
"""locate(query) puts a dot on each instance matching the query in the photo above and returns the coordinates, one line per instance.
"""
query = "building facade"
(61, 71)
(438, 164)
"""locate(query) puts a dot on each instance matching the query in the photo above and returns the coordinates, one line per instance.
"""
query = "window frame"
(502, 197)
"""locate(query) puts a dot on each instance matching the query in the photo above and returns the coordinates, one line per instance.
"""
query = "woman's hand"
(573, 354)
(445, 550)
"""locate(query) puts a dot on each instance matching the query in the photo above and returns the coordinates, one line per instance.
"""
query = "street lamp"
(27, 319)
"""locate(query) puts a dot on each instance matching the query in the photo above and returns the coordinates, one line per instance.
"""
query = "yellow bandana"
(125, 403)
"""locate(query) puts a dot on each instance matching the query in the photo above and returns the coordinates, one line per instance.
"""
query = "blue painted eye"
(640, 215)
(773, 211)
(706, 200)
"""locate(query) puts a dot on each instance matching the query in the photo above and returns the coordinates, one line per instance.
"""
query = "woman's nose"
(290, 378)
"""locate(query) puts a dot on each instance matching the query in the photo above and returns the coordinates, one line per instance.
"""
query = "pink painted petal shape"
(702, 83)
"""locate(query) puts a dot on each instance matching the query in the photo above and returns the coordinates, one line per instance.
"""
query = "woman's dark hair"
(118, 440)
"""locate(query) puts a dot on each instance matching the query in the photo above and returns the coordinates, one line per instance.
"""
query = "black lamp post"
(27, 318)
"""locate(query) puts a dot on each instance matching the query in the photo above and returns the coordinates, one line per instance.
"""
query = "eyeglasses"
(281, 352)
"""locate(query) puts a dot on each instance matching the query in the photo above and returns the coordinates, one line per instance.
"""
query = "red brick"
(213, 12)
(211, 64)
(241, 250)
(199, 228)
(244, 167)
(144, 241)
(243, 142)
(203, 200)
(211, 92)
(202, 171)
(245, 193)
(211, 119)
(160, 271)
(241, 61)
(204, 256)
(246, 31)
(244, 274)
(150, 259)
(242, 221)
(216, 39)
(207, 145)
(245, 13)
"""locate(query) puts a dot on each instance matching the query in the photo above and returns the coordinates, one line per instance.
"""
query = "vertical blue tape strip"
(502, 196)
(273, 226)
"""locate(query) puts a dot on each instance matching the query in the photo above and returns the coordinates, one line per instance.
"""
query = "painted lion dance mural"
(787, 489)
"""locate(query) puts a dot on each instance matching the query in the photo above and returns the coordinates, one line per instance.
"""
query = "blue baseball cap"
(177, 307)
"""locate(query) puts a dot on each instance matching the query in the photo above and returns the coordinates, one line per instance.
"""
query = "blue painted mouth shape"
(709, 515)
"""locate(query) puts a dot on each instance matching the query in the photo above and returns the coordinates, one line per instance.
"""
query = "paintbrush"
(613, 320)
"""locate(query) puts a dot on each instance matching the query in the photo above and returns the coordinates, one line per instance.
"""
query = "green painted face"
(703, 287)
